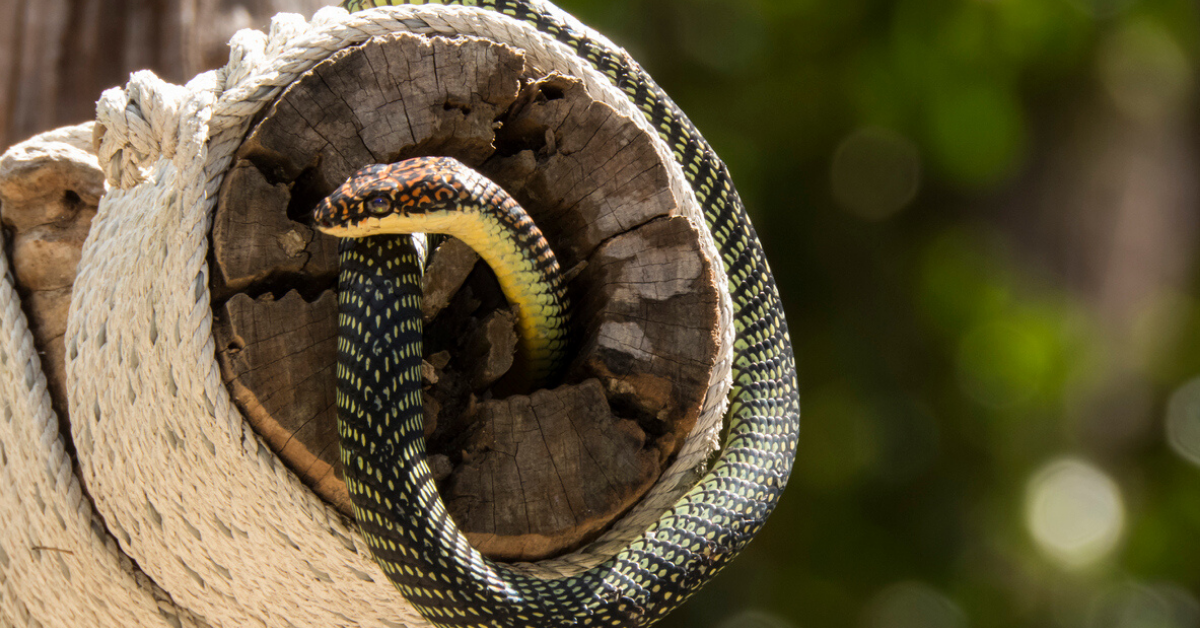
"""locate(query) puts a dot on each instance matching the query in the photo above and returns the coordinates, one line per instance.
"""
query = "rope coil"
(181, 484)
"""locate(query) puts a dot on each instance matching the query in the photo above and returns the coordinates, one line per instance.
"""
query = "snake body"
(383, 451)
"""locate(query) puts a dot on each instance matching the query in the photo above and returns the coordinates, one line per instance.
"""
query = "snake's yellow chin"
(433, 222)
(360, 229)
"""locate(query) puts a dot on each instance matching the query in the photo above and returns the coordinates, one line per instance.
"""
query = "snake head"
(397, 198)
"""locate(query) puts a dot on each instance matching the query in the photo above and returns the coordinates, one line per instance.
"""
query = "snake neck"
(381, 430)
(473, 209)
(505, 237)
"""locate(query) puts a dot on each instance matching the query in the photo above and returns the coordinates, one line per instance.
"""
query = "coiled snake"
(379, 382)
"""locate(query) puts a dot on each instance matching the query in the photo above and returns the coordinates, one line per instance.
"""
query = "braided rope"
(58, 564)
(182, 482)
(137, 129)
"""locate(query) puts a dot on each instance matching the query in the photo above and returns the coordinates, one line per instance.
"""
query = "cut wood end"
(586, 451)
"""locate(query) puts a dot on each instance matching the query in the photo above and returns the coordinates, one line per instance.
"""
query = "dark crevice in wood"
(305, 195)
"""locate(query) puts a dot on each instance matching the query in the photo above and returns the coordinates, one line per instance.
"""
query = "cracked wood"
(525, 476)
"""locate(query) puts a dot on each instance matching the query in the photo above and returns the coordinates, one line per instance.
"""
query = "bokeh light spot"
(1074, 512)
(1145, 71)
(875, 172)
(1183, 421)
(912, 605)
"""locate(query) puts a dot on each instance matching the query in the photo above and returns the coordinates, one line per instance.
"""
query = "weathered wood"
(254, 240)
(591, 172)
(276, 357)
(48, 197)
(445, 275)
(653, 299)
(593, 461)
(442, 100)
(585, 451)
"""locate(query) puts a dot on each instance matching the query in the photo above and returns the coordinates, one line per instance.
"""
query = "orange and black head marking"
(408, 188)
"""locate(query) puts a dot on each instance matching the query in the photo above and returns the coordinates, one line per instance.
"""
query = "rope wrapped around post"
(178, 476)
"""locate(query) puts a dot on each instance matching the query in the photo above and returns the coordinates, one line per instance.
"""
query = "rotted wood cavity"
(526, 476)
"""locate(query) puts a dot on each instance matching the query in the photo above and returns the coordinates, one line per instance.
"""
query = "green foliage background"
(949, 346)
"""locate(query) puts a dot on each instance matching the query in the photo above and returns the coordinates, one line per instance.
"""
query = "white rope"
(186, 487)
(137, 127)
(58, 565)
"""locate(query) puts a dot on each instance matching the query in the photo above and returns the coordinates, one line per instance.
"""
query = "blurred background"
(983, 216)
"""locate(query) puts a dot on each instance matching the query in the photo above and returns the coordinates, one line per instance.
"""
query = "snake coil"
(396, 502)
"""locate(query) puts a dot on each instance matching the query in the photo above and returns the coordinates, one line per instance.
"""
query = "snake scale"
(396, 502)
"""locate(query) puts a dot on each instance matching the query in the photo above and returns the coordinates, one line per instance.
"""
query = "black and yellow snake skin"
(383, 449)
(439, 195)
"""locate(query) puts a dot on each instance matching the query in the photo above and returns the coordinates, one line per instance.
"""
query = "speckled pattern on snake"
(379, 389)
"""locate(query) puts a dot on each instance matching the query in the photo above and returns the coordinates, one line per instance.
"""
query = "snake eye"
(379, 205)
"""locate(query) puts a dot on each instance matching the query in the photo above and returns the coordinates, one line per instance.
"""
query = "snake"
(380, 418)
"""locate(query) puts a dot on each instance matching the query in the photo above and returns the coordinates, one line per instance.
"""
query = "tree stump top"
(525, 476)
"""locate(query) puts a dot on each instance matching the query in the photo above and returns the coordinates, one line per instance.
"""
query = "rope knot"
(136, 126)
